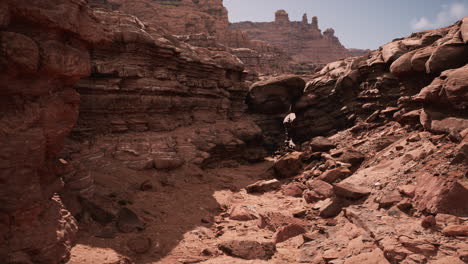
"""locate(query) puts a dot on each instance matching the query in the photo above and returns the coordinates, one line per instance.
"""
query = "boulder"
(438, 195)
(248, 249)
(420, 57)
(407, 190)
(97, 211)
(263, 186)
(461, 153)
(330, 207)
(288, 166)
(289, 231)
(293, 189)
(353, 157)
(321, 144)
(275, 95)
(335, 174)
(140, 244)
(319, 190)
(273, 221)
(447, 56)
(402, 66)
(350, 191)
(243, 213)
(392, 51)
(428, 222)
(455, 230)
(451, 87)
(128, 221)
(389, 199)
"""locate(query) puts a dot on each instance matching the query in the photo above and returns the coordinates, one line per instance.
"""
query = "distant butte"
(304, 42)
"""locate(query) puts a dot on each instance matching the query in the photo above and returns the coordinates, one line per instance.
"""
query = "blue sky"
(358, 23)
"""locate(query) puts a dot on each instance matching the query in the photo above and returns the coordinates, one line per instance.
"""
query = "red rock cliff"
(43, 52)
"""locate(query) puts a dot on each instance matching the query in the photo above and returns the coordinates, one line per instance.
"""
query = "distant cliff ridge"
(267, 48)
(301, 40)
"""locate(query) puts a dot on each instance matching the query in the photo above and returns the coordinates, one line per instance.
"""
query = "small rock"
(330, 207)
(333, 175)
(301, 213)
(243, 213)
(289, 231)
(146, 186)
(312, 197)
(388, 200)
(461, 154)
(322, 188)
(321, 144)
(140, 244)
(248, 249)
(405, 206)
(289, 165)
(353, 157)
(209, 252)
(273, 221)
(128, 221)
(407, 190)
(414, 138)
(293, 189)
(428, 222)
(455, 230)
(348, 190)
(97, 212)
(330, 254)
(263, 186)
(444, 220)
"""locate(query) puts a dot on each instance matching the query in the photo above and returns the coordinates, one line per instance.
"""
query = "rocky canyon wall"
(178, 17)
(386, 83)
(136, 82)
(43, 53)
(204, 24)
(149, 83)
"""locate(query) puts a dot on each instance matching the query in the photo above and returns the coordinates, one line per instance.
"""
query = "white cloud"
(446, 16)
